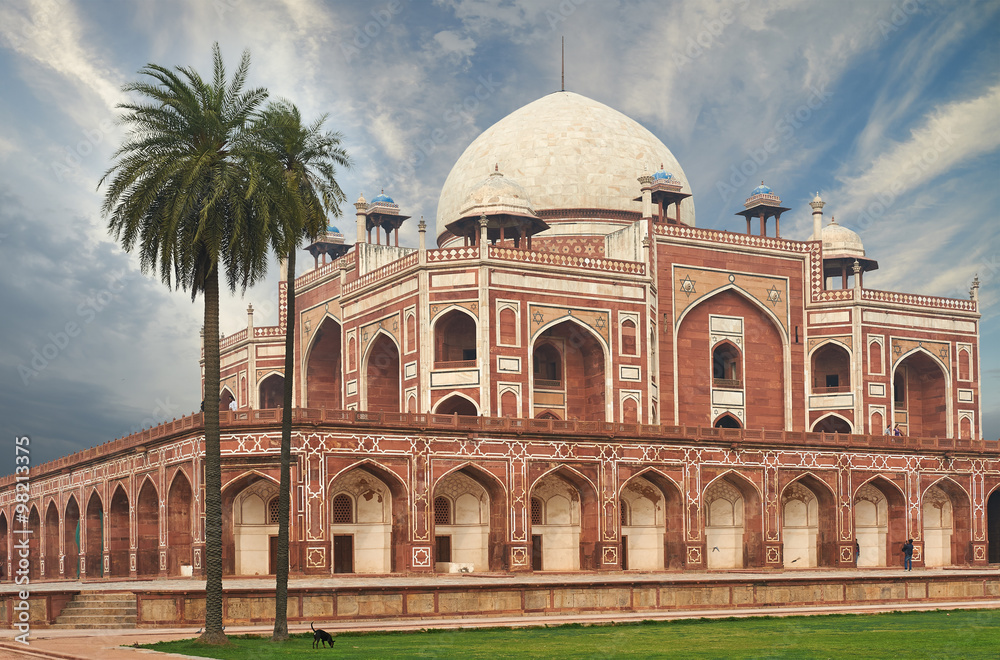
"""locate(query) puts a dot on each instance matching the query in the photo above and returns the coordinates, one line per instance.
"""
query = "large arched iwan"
(763, 363)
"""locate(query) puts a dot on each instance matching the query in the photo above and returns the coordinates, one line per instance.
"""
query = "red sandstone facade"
(564, 389)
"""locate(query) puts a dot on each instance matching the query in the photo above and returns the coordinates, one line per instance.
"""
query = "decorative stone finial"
(974, 289)
(483, 221)
(856, 267)
(250, 308)
(422, 227)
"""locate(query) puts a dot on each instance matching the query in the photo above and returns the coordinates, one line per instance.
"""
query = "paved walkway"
(114, 644)
(468, 579)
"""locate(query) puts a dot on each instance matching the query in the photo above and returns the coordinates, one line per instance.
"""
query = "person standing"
(908, 555)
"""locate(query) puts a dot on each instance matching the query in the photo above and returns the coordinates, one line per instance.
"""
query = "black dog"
(322, 638)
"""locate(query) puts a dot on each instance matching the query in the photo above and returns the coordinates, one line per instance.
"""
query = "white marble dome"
(567, 152)
(839, 241)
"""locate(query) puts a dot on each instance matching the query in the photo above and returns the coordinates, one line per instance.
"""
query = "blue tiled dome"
(382, 197)
(761, 190)
(332, 230)
(663, 175)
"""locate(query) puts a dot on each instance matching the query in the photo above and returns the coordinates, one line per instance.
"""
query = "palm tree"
(188, 191)
(308, 157)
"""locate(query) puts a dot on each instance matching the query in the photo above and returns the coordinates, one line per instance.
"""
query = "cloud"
(453, 44)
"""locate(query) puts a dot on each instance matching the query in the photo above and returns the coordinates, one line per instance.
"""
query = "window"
(832, 380)
(624, 514)
(343, 510)
(442, 511)
(726, 366)
(536, 511)
(272, 511)
(546, 366)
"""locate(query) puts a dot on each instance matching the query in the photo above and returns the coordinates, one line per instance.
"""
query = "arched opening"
(808, 524)
(179, 537)
(762, 352)
(920, 396)
(652, 520)
(118, 534)
(965, 428)
(248, 549)
(324, 367)
(831, 369)
(383, 375)
(508, 326)
(727, 421)
(71, 539)
(454, 340)
(548, 414)
(34, 542)
(566, 537)
(470, 522)
(456, 405)
(352, 354)
(569, 373)
(947, 520)
(272, 392)
(629, 346)
(51, 541)
(727, 370)
(879, 522)
(368, 521)
(147, 509)
(832, 424)
(3, 548)
(733, 524)
(225, 399)
(993, 527)
(95, 537)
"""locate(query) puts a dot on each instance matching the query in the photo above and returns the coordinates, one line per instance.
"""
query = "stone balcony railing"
(504, 428)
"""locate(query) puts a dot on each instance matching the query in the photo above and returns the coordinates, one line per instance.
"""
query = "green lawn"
(902, 635)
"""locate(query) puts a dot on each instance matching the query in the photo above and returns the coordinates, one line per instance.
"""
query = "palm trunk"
(213, 468)
(284, 497)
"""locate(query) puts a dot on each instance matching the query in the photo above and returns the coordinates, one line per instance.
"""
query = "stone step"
(99, 611)
(94, 626)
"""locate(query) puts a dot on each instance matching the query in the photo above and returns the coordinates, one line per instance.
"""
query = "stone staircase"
(91, 609)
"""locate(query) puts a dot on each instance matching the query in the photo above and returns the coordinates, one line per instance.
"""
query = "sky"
(890, 109)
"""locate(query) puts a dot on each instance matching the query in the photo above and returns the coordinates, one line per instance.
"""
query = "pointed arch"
(497, 525)
(457, 402)
(947, 526)
(323, 365)
(231, 490)
(119, 526)
(71, 538)
(992, 500)
(584, 359)
(727, 420)
(400, 503)
(381, 368)
(921, 393)
(830, 365)
(180, 499)
(226, 397)
(94, 551)
(673, 519)
(4, 539)
(833, 422)
(51, 540)
(455, 332)
(765, 351)
(34, 542)
(734, 522)
(569, 542)
(147, 511)
(880, 523)
(271, 390)
(813, 541)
